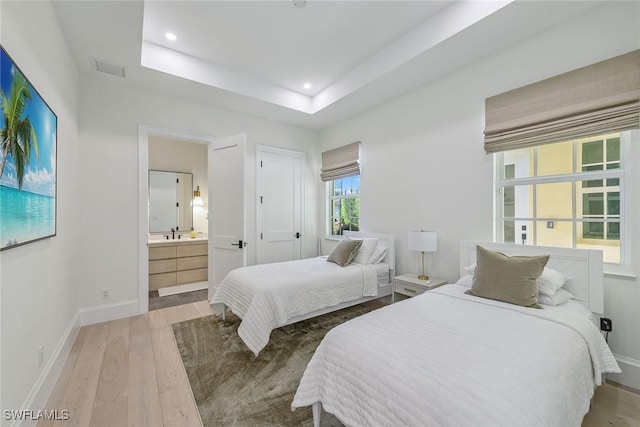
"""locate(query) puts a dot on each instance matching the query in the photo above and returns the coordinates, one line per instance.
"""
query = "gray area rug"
(232, 387)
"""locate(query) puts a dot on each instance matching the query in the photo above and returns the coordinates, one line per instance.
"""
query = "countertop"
(183, 241)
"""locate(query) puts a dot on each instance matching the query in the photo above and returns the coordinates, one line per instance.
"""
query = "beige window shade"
(341, 162)
(596, 99)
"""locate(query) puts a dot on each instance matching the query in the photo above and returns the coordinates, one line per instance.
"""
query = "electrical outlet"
(41, 356)
(606, 325)
(105, 294)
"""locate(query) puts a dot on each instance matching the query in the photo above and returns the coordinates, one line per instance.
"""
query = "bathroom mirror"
(170, 196)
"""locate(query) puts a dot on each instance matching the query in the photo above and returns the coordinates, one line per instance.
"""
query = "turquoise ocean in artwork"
(25, 216)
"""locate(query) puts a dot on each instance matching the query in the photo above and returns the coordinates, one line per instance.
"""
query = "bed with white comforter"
(449, 359)
(268, 296)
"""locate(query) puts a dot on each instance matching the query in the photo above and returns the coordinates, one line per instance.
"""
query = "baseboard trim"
(39, 394)
(42, 389)
(107, 312)
(630, 375)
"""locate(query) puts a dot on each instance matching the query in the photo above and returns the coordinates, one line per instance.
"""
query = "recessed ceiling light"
(171, 36)
(307, 85)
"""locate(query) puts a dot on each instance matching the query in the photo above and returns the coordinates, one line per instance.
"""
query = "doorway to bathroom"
(176, 199)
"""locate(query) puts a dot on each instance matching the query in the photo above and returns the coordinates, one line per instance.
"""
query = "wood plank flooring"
(128, 372)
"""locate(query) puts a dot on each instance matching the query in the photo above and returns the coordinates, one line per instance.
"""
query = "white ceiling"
(255, 56)
(279, 43)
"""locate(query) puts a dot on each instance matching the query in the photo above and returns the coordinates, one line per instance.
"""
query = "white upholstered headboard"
(583, 266)
(386, 240)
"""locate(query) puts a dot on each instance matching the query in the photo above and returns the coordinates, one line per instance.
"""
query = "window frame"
(623, 173)
(330, 197)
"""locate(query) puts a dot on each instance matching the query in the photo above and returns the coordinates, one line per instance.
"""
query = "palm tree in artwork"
(17, 137)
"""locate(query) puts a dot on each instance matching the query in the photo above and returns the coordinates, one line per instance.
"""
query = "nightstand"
(408, 285)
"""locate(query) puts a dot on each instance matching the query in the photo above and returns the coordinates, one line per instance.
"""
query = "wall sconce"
(423, 241)
(197, 199)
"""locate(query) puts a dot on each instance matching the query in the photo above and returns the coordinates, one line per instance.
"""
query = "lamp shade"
(197, 199)
(423, 241)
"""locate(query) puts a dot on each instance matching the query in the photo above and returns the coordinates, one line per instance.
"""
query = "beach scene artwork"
(28, 141)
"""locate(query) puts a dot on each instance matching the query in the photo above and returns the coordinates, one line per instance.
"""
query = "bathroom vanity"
(177, 262)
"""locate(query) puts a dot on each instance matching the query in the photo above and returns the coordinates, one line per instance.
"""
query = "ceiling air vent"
(105, 67)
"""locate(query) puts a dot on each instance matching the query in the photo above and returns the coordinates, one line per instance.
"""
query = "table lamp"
(423, 241)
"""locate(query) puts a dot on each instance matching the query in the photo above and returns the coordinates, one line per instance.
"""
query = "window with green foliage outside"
(344, 205)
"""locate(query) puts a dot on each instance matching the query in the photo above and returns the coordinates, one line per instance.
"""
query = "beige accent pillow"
(344, 252)
(509, 279)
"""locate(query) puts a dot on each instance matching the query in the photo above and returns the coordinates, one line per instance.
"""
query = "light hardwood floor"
(128, 372)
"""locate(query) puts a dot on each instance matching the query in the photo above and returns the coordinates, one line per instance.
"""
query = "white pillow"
(465, 281)
(471, 269)
(366, 249)
(561, 296)
(550, 281)
(378, 255)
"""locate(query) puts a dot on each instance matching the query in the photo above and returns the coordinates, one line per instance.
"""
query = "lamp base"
(423, 277)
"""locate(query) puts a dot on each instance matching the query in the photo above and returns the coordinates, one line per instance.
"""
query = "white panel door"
(227, 245)
(279, 191)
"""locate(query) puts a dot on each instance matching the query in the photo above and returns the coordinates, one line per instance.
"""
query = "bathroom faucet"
(173, 233)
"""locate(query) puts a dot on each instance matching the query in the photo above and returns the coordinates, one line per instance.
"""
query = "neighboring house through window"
(568, 194)
(561, 148)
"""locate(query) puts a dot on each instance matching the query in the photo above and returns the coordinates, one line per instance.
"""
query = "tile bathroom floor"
(157, 302)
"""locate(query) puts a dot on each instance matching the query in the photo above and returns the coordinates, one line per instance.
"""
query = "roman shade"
(341, 162)
(596, 99)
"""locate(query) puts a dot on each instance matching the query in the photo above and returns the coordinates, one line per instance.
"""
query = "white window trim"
(623, 269)
(329, 212)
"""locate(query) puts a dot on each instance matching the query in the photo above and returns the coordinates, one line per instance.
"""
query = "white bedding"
(448, 359)
(267, 296)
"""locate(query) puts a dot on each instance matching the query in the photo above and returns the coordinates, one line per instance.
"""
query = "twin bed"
(444, 358)
(269, 296)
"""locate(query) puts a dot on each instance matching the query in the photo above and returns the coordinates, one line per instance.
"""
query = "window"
(568, 194)
(344, 204)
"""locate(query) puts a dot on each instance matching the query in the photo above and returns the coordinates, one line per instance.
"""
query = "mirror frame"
(185, 203)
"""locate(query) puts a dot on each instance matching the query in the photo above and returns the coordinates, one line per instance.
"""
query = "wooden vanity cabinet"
(177, 263)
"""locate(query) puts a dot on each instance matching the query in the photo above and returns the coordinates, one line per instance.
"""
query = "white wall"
(38, 279)
(424, 167)
(170, 154)
(110, 115)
